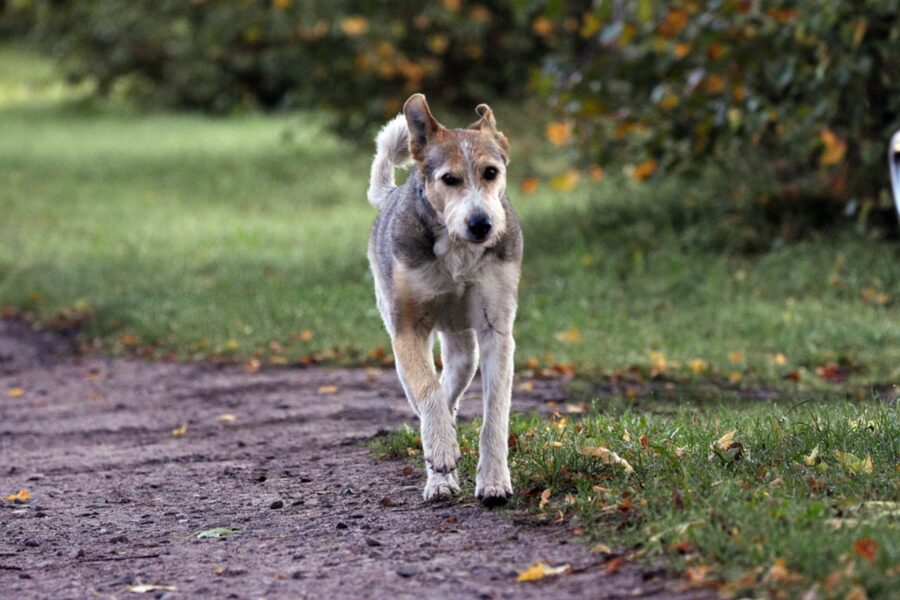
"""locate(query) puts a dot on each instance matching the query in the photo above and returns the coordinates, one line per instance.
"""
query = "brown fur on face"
(464, 169)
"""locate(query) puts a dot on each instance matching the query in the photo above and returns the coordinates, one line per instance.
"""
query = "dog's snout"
(479, 226)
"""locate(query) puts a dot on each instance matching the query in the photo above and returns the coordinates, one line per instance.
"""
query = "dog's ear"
(422, 125)
(487, 124)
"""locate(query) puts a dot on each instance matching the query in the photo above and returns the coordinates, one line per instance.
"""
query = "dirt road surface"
(117, 500)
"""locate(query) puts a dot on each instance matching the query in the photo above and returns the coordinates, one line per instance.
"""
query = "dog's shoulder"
(404, 229)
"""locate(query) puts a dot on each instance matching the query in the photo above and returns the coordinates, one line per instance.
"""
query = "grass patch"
(809, 499)
(244, 238)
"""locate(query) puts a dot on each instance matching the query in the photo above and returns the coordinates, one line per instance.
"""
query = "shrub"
(813, 86)
(361, 58)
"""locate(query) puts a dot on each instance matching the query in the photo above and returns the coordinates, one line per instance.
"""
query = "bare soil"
(117, 500)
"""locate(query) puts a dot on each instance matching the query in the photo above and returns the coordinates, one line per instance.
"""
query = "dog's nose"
(479, 226)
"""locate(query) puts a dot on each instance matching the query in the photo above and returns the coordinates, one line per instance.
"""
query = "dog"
(445, 253)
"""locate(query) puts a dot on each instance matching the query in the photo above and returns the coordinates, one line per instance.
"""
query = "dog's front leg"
(495, 315)
(415, 366)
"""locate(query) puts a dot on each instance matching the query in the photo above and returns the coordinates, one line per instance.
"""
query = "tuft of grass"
(243, 239)
(804, 497)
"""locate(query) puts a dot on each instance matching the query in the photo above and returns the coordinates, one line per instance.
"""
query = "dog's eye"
(450, 179)
(490, 173)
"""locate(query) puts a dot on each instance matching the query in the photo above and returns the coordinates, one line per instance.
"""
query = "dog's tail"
(391, 150)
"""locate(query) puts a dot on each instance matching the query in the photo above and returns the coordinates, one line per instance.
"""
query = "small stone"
(372, 542)
(342, 525)
(406, 571)
(297, 575)
(276, 505)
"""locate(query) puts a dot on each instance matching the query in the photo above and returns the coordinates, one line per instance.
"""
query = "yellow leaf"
(231, 344)
(810, 459)
(601, 549)
(853, 463)
(597, 173)
(780, 359)
(281, 4)
(354, 26)
(734, 377)
(227, 418)
(626, 436)
(698, 365)
(724, 442)
(328, 389)
(16, 393)
(565, 182)
(571, 336)
(682, 49)
(21, 496)
(606, 456)
(559, 132)
(180, 431)
(834, 149)
(539, 570)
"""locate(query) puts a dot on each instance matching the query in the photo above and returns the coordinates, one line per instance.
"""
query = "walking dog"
(445, 252)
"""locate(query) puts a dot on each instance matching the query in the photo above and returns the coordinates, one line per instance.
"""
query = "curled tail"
(391, 150)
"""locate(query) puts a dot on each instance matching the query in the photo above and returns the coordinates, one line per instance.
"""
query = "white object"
(894, 167)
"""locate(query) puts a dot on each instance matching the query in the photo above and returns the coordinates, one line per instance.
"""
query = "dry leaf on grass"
(606, 456)
(328, 389)
(180, 431)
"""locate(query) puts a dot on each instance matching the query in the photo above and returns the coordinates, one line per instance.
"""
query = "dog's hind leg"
(459, 355)
(413, 353)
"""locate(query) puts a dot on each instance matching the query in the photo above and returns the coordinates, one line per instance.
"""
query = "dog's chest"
(456, 265)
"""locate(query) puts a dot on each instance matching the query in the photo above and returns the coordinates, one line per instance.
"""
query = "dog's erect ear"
(421, 123)
(487, 124)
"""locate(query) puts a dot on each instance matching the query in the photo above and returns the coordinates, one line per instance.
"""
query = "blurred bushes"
(360, 58)
(812, 86)
(807, 91)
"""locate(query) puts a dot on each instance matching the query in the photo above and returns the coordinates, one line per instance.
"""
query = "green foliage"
(815, 87)
(361, 58)
(805, 496)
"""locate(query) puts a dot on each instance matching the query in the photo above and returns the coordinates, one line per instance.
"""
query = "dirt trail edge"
(118, 500)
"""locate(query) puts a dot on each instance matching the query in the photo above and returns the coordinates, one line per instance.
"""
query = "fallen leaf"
(780, 359)
(565, 182)
(216, 532)
(812, 458)
(735, 357)
(180, 431)
(226, 418)
(304, 336)
(698, 365)
(854, 464)
(545, 498)
(539, 570)
(16, 393)
(866, 548)
(526, 386)
(570, 336)
(328, 389)
(601, 549)
(20, 497)
(725, 441)
(615, 564)
(145, 588)
(606, 456)
(857, 592)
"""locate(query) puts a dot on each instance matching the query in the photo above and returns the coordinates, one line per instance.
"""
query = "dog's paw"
(440, 486)
(493, 494)
(443, 456)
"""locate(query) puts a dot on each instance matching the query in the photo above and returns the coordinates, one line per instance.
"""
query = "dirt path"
(117, 500)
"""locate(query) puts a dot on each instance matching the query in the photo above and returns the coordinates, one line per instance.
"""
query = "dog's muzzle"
(479, 226)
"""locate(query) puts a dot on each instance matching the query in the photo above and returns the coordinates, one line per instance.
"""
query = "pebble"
(276, 505)
(406, 571)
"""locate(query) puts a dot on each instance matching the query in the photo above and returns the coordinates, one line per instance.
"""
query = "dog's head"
(464, 171)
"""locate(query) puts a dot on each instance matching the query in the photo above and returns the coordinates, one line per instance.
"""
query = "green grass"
(200, 237)
(798, 493)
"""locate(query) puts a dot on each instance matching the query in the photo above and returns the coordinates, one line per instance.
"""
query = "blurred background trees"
(801, 95)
